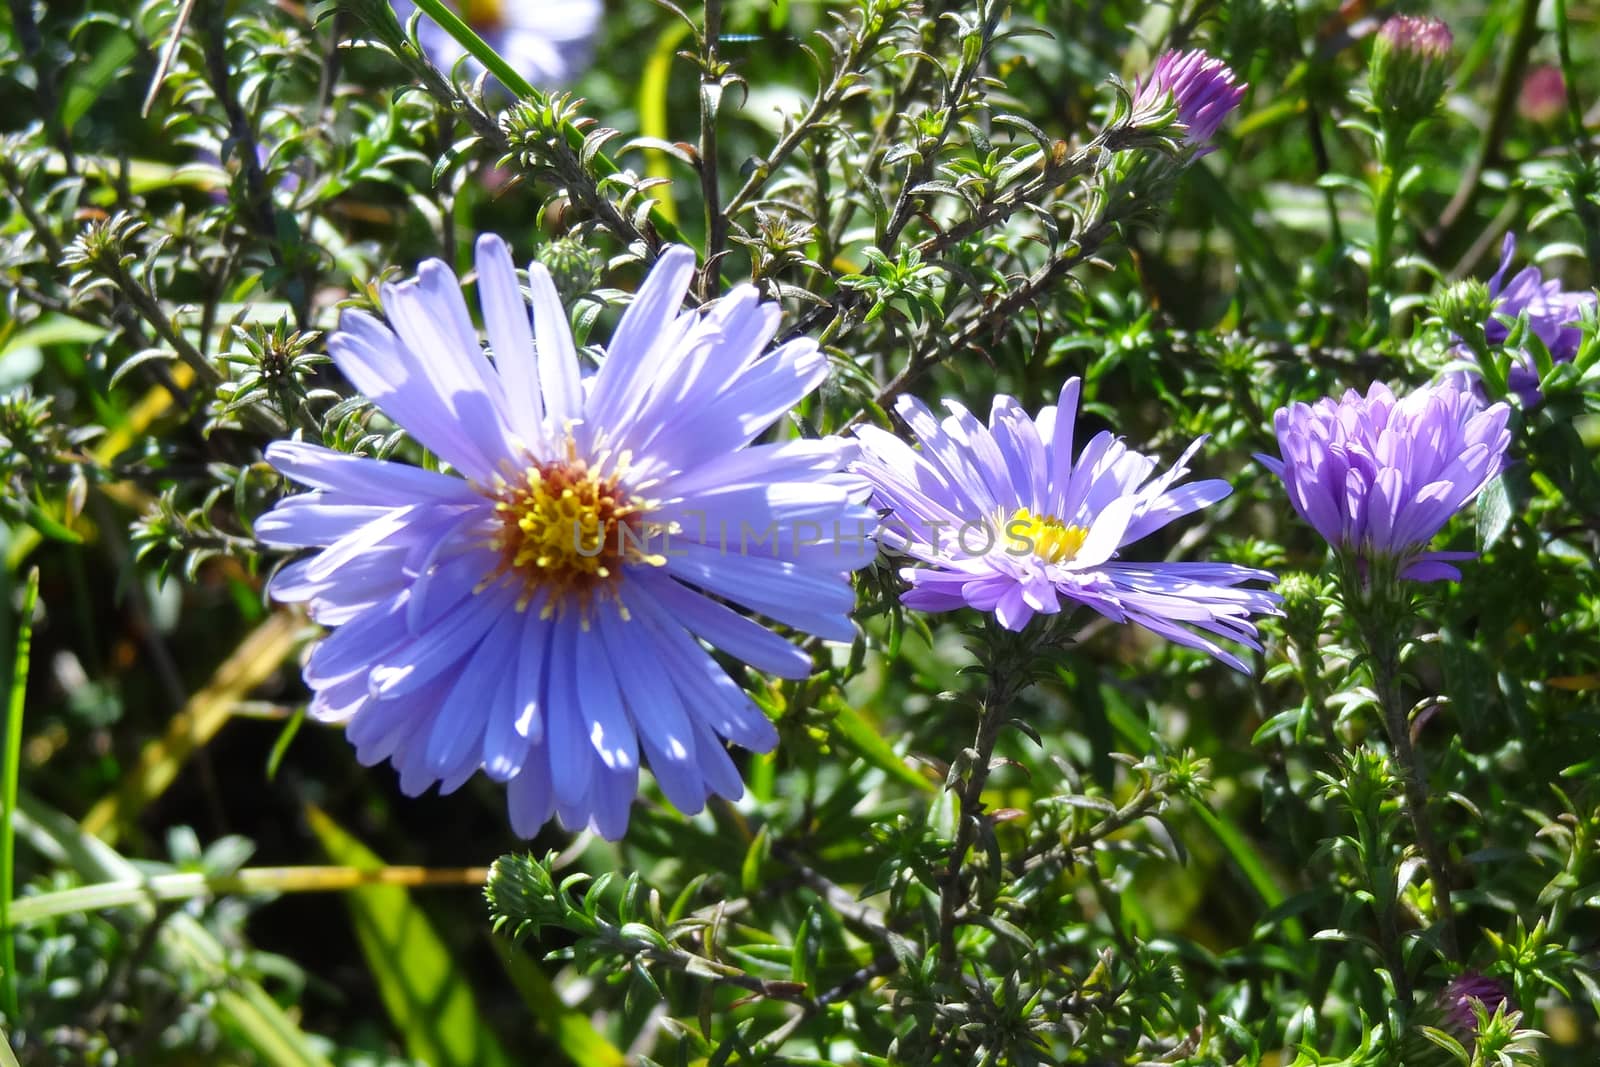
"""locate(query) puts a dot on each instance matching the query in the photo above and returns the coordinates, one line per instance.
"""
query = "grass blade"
(570, 1029)
(10, 770)
(430, 1004)
(186, 885)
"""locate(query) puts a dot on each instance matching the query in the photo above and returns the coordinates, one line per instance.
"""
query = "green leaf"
(88, 83)
(652, 104)
(570, 1029)
(492, 61)
(863, 739)
(430, 1004)
(10, 769)
(1250, 863)
(1494, 513)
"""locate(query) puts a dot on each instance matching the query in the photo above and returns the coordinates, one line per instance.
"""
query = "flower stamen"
(1053, 541)
(567, 529)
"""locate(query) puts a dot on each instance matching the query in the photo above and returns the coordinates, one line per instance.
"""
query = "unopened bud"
(1410, 62)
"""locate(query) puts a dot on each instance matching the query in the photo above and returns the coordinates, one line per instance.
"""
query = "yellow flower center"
(1053, 540)
(566, 530)
(483, 14)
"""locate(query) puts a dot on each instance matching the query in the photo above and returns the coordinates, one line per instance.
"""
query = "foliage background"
(186, 209)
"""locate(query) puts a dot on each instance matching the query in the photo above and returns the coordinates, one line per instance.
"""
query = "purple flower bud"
(1378, 477)
(1204, 90)
(1543, 95)
(1410, 60)
(1420, 34)
(1463, 992)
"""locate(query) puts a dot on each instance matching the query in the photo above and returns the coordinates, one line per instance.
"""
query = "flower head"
(1203, 89)
(549, 42)
(1005, 520)
(1378, 477)
(1410, 62)
(1553, 316)
(538, 611)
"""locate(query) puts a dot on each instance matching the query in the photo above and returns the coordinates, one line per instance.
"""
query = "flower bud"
(1303, 608)
(1461, 997)
(1543, 96)
(1410, 61)
(1464, 307)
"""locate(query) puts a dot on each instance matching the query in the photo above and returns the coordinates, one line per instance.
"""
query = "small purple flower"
(549, 42)
(1553, 314)
(1466, 990)
(1378, 477)
(1204, 90)
(538, 612)
(1007, 522)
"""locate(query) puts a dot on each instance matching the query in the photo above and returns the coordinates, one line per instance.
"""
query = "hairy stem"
(969, 794)
(1385, 652)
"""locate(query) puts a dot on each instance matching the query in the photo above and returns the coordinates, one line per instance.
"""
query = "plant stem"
(991, 717)
(1391, 153)
(1506, 87)
(1385, 652)
(711, 83)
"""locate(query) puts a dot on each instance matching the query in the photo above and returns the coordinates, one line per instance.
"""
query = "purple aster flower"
(1553, 314)
(541, 611)
(1203, 89)
(1378, 477)
(1006, 521)
(549, 42)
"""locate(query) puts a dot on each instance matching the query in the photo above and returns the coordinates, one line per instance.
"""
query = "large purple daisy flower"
(539, 610)
(1006, 521)
(1379, 477)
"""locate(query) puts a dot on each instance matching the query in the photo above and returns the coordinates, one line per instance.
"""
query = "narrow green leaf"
(1250, 863)
(652, 103)
(862, 738)
(570, 1029)
(479, 49)
(86, 84)
(10, 769)
(430, 1004)
(243, 1009)
(1494, 513)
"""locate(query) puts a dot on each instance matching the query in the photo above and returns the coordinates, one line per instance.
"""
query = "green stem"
(10, 769)
(186, 885)
(1391, 154)
(991, 717)
(1384, 649)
